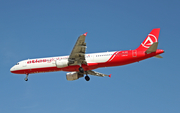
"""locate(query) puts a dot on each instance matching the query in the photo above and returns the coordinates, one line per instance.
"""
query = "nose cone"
(12, 69)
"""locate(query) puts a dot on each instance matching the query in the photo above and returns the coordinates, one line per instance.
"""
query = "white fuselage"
(50, 61)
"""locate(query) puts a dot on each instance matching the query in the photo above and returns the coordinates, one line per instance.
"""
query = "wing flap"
(90, 72)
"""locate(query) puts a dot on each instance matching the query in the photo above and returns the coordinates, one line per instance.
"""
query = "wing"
(90, 72)
(77, 56)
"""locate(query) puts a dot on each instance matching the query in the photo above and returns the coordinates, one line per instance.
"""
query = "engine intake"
(73, 76)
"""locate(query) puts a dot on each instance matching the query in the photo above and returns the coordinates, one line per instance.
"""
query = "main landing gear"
(81, 70)
(26, 79)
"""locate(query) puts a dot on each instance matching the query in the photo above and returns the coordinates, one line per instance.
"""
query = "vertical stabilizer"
(150, 39)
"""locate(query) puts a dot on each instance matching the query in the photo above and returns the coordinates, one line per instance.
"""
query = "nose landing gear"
(26, 79)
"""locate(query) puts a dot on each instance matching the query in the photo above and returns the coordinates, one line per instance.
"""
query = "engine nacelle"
(62, 63)
(73, 76)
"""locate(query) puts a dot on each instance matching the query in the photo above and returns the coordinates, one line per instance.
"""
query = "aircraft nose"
(12, 69)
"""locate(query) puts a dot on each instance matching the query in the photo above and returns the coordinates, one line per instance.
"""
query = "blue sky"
(38, 28)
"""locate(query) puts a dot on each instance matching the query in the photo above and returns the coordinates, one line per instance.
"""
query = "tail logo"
(149, 41)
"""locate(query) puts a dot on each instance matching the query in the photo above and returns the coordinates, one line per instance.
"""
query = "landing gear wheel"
(87, 78)
(26, 79)
(81, 70)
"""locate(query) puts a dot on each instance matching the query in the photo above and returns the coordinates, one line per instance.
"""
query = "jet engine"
(61, 63)
(73, 76)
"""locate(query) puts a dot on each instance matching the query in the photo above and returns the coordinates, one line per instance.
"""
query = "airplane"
(78, 64)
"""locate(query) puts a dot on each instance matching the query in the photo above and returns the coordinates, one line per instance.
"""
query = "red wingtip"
(85, 34)
(110, 75)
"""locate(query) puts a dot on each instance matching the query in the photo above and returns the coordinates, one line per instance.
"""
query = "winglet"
(110, 75)
(85, 34)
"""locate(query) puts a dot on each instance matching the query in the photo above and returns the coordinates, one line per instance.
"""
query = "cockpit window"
(17, 64)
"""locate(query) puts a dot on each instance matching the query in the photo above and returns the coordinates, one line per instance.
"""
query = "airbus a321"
(78, 64)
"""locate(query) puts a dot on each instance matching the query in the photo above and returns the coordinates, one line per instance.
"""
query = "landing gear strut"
(26, 79)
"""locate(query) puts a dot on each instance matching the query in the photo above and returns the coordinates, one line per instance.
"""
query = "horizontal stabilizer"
(152, 48)
(158, 56)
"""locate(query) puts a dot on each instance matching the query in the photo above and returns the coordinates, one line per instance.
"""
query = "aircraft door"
(92, 58)
(24, 64)
(134, 53)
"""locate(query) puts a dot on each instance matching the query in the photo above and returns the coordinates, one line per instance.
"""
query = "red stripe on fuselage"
(117, 59)
(112, 56)
(90, 66)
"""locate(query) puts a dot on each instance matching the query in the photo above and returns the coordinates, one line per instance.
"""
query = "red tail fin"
(150, 39)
